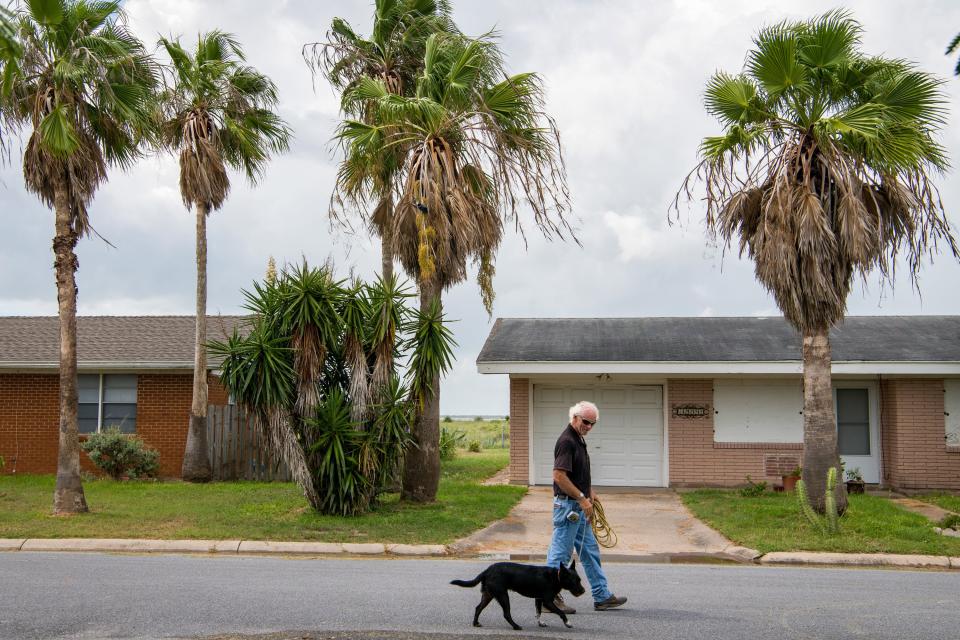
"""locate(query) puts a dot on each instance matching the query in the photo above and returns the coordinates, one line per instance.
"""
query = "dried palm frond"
(283, 443)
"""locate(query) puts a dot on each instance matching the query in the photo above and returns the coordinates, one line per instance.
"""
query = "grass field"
(257, 510)
(492, 434)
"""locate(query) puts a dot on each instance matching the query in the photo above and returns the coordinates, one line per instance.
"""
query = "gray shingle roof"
(859, 338)
(165, 341)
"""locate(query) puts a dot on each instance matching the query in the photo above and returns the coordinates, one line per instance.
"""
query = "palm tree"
(394, 55)
(824, 172)
(475, 144)
(215, 112)
(83, 85)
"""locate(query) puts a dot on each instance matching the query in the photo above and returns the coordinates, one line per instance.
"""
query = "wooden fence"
(236, 450)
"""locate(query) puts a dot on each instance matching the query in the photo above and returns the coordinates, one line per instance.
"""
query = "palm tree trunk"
(196, 462)
(386, 246)
(820, 451)
(68, 496)
(421, 466)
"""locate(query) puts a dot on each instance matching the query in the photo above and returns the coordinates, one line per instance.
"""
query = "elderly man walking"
(573, 498)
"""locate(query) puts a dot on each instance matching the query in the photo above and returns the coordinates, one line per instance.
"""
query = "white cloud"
(640, 240)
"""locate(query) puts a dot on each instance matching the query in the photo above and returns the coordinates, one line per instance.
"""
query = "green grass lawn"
(772, 522)
(950, 502)
(492, 434)
(256, 510)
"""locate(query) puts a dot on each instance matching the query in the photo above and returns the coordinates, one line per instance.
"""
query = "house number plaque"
(690, 411)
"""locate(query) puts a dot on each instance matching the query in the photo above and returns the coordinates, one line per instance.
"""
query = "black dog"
(541, 583)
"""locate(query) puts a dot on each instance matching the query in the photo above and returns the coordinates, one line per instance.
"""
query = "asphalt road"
(66, 595)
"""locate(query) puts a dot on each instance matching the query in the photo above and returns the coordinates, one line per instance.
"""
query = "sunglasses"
(589, 423)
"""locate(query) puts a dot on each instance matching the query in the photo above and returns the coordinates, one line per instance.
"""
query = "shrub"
(3, 463)
(474, 446)
(753, 489)
(118, 454)
(951, 521)
(447, 419)
(449, 442)
(478, 419)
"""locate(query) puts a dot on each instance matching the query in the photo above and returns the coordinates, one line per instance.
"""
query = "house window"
(853, 422)
(107, 400)
(951, 411)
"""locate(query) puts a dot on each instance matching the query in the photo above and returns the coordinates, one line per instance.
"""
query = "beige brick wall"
(915, 452)
(519, 431)
(696, 460)
(915, 455)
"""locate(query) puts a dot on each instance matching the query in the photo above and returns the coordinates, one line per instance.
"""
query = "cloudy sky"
(624, 81)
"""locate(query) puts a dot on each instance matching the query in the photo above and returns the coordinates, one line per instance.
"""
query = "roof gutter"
(101, 365)
(716, 367)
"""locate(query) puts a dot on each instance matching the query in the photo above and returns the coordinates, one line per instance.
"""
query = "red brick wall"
(696, 460)
(29, 422)
(519, 431)
(915, 452)
(29, 419)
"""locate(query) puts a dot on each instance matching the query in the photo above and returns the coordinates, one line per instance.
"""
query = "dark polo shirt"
(570, 455)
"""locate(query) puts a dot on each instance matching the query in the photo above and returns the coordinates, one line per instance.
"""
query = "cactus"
(804, 502)
(830, 524)
(830, 502)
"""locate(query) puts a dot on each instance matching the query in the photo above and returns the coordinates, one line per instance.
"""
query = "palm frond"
(774, 62)
(431, 346)
(951, 48)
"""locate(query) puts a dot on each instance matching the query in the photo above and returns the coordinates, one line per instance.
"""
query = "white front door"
(626, 446)
(856, 408)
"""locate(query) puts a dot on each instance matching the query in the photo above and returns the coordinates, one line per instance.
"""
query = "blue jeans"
(578, 535)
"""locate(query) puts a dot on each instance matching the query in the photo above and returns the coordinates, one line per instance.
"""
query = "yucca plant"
(824, 172)
(82, 84)
(304, 373)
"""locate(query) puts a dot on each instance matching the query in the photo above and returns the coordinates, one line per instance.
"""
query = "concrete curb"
(131, 545)
(743, 554)
(267, 547)
(859, 559)
(136, 545)
(11, 544)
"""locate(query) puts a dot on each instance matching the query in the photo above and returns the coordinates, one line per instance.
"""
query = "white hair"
(580, 407)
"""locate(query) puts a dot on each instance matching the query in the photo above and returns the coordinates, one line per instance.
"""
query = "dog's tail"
(468, 583)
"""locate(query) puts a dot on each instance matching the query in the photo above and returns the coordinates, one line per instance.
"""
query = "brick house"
(708, 401)
(134, 372)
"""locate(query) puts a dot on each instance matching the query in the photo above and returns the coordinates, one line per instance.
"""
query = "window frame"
(100, 394)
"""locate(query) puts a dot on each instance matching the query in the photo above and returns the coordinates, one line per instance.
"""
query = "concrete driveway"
(651, 524)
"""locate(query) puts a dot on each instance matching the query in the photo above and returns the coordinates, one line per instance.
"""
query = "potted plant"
(790, 480)
(855, 483)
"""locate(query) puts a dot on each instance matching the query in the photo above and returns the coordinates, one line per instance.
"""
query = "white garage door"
(626, 447)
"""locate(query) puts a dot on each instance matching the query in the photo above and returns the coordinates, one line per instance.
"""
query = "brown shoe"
(560, 604)
(609, 603)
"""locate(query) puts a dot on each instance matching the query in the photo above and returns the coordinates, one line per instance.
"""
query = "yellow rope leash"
(606, 537)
